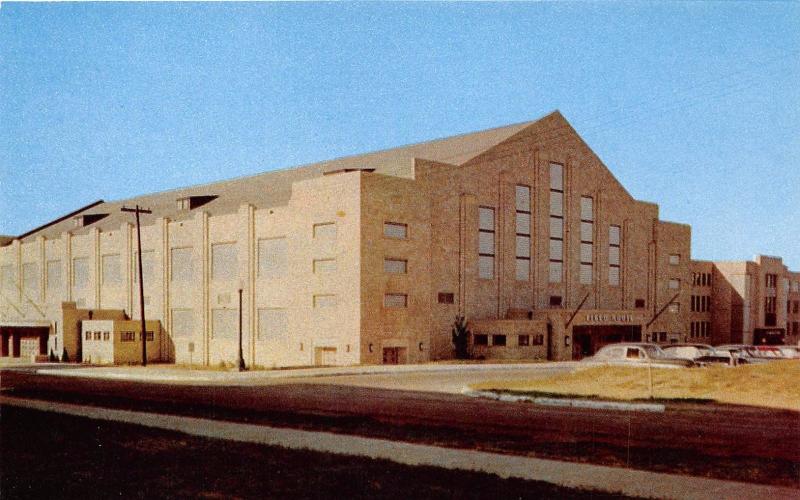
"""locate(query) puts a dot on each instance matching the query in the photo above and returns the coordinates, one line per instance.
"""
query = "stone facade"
(368, 259)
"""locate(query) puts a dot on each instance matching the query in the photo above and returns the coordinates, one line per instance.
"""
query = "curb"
(566, 402)
(228, 377)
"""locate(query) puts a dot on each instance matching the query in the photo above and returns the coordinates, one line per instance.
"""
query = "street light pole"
(241, 356)
(138, 211)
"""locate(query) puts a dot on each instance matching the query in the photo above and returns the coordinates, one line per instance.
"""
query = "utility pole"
(138, 211)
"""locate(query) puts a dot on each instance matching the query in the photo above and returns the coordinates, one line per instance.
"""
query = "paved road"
(720, 441)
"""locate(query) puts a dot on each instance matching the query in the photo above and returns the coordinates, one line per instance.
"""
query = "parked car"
(789, 351)
(743, 353)
(637, 354)
(768, 351)
(701, 354)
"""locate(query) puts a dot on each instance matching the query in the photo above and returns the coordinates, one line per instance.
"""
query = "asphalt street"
(728, 442)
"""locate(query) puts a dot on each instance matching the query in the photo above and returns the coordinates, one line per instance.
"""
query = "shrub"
(64, 356)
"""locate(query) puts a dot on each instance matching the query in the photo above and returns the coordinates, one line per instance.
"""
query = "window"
(150, 336)
(446, 298)
(674, 259)
(480, 339)
(324, 301)
(395, 266)
(556, 270)
(395, 230)
(53, 279)
(148, 263)
(106, 335)
(538, 340)
(796, 307)
(224, 261)
(224, 323)
(110, 269)
(30, 279)
(80, 273)
(639, 303)
(614, 248)
(499, 340)
(9, 277)
(771, 280)
(674, 308)
(181, 265)
(127, 337)
(486, 243)
(324, 266)
(555, 301)
(587, 240)
(770, 318)
(523, 231)
(272, 258)
(88, 335)
(182, 323)
(395, 300)
(272, 324)
(674, 284)
(97, 335)
(524, 340)
(325, 231)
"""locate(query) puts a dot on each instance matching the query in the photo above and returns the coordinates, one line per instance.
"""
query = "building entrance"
(394, 355)
(23, 341)
(588, 339)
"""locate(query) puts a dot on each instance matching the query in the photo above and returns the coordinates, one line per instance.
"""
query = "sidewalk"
(162, 374)
(573, 475)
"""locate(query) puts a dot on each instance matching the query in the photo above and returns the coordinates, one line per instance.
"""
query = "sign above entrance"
(610, 318)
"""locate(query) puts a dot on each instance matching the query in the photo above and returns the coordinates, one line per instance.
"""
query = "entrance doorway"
(324, 356)
(588, 339)
(394, 355)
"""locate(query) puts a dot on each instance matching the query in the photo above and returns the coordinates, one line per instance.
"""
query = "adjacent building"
(368, 259)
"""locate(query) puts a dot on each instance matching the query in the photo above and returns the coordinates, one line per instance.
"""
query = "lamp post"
(241, 355)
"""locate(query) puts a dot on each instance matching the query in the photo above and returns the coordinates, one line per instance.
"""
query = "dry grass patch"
(771, 385)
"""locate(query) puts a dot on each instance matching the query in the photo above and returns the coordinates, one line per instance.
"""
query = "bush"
(461, 337)
(52, 357)
(64, 356)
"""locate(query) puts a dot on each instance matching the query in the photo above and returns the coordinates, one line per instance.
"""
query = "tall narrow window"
(182, 323)
(486, 243)
(110, 269)
(9, 277)
(614, 246)
(273, 324)
(556, 223)
(587, 240)
(30, 280)
(272, 258)
(80, 273)
(53, 282)
(181, 267)
(224, 261)
(523, 229)
(148, 262)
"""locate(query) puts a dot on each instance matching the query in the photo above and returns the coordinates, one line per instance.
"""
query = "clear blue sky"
(694, 106)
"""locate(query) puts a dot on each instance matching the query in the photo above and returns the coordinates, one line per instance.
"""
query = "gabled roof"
(273, 188)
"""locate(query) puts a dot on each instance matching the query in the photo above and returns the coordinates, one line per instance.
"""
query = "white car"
(637, 354)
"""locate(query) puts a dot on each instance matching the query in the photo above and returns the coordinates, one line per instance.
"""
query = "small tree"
(64, 356)
(461, 337)
(52, 357)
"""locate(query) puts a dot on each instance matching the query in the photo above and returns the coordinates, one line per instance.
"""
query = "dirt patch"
(771, 385)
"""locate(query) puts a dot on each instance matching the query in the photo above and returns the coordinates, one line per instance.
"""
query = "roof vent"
(192, 202)
(88, 219)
